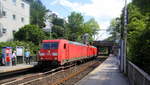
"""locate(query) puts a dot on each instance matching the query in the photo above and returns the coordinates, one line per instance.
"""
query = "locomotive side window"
(50, 45)
(64, 46)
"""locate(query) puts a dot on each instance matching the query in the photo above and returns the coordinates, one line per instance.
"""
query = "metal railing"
(137, 76)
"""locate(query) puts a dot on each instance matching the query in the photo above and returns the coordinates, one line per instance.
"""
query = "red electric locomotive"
(62, 51)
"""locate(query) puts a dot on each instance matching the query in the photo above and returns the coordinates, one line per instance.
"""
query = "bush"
(140, 51)
(30, 33)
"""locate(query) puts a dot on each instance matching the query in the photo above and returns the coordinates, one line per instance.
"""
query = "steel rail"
(39, 75)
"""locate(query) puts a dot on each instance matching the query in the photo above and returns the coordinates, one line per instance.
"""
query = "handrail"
(136, 75)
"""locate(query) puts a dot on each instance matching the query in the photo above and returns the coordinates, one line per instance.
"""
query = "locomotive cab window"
(50, 45)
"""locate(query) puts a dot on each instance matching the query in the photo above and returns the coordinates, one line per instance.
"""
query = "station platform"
(107, 73)
(6, 69)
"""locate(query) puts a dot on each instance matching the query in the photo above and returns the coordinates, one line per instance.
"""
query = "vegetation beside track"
(138, 28)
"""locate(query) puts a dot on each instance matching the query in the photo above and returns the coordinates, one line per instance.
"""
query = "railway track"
(28, 77)
(6, 75)
(53, 77)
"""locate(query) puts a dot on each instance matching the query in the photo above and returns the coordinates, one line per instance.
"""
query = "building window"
(22, 5)
(14, 17)
(22, 19)
(1, 32)
(14, 31)
(4, 30)
(4, 13)
(14, 1)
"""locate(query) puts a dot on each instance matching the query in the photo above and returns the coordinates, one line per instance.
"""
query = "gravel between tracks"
(69, 76)
(78, 77)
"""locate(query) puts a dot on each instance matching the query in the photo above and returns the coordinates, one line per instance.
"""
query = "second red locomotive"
(62, 51)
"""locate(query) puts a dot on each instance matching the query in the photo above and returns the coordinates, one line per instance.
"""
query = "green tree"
(75, 24)
(136, 19)
(74, 28)
(140, 50)
(138, 28)
(114, 29)
(58, 29)
(136, 24)
(38, 12)
(77, 27)
(58, 21)
(91, 27)
(138, 33)
(144, 5)
(30, 33)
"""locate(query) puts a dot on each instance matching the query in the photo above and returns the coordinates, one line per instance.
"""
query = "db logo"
(7, 50)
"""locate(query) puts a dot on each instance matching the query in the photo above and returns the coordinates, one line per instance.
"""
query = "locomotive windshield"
(50, 45)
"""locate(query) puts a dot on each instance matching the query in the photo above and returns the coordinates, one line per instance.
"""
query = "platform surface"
(18, 67)
(106, 74)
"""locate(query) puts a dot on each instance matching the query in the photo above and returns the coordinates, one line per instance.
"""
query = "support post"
(125, 37)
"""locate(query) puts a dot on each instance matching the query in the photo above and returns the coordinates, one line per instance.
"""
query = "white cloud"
(98, 8)
(102, 10)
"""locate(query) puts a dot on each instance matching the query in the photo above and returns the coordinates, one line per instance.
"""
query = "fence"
(136, 75)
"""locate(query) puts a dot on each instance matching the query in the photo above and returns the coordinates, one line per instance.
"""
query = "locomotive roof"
(71, 42)
(77, 43)
(56, 40)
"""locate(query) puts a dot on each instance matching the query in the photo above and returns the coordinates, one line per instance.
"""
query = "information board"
(19, 51)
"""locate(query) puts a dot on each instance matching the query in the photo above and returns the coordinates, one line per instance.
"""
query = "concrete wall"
(8, 22)
(136, 75)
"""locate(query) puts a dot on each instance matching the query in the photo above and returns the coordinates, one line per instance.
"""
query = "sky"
(102, 10)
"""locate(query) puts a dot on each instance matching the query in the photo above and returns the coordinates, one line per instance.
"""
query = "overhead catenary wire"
(101, 34)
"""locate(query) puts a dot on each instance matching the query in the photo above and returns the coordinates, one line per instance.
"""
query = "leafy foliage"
(75, 24)
(27, 45)
(77, 27)
(37, 12)
(138, 42)
(136, 19)
(91, 27)
(74, 28)
(114, 29)
(138, 34)
(140, 50)
(30, 33)
(58, 28)
(144, 5)
(58, 31)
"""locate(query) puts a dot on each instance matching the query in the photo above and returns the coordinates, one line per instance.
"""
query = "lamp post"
(123, 42)
(125, 36)
(85, 38)
(50, 30)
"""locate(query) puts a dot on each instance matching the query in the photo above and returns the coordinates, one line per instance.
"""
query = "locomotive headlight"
(55, 58)
(54, 54)
(42, 54)
(41, 58)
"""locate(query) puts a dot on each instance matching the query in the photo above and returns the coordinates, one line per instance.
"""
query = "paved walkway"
(106, 74)
(4, 69)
